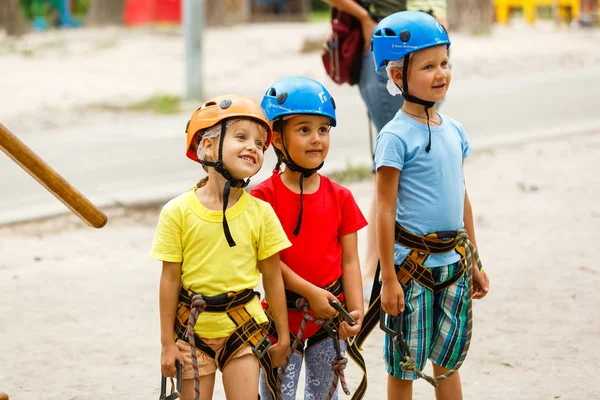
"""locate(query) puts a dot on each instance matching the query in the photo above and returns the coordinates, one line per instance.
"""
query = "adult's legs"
(382, 107)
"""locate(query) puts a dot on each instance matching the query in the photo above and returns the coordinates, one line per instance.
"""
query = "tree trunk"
(11, 17)
(470, 16)
(106, 12)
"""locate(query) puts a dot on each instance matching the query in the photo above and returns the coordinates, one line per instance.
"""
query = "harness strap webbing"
(292, 297)
(247, 330)
(411, 268)
(468, 251)
(298, 343)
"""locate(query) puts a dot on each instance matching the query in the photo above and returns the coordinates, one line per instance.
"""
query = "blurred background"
(103, 89)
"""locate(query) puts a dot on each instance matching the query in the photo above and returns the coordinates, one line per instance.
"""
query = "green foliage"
(158, 104)
(48, 9)
(352, 173)
(319, 5)
(319, 15)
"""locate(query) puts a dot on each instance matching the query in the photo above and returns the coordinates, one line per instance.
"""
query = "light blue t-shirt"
(431, 188)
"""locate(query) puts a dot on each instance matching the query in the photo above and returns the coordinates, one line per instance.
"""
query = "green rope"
(409, 363)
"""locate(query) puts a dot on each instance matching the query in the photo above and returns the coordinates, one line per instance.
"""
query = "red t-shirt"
(316, 253)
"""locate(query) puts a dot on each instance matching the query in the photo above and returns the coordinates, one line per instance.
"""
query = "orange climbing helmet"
(219, 109)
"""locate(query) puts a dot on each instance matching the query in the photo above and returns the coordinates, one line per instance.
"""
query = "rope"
(197, 306)
(337, 365)
(409, 363)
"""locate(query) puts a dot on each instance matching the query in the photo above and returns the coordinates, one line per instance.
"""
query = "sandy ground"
(78, 307)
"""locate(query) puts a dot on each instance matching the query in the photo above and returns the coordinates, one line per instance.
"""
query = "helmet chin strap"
(231, 183)
(304, 173)
(408, 97)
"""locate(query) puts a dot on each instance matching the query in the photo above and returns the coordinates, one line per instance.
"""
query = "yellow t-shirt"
(190, 233)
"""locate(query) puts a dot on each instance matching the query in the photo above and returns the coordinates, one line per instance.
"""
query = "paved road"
(128, 158)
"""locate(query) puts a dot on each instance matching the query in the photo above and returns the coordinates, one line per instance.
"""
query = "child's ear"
(396, 74)
(209, 145)
(276, 140)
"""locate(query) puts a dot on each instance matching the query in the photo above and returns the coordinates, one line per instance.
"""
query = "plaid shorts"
(435, 325)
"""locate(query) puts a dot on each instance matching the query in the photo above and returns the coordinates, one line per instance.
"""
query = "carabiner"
(175, 388)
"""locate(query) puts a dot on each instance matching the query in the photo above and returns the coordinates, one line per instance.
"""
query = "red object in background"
(168, 11)
(140, 12)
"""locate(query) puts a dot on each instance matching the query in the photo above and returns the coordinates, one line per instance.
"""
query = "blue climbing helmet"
(405, 32)
(400, 34)
(292, 96)
(298, 95)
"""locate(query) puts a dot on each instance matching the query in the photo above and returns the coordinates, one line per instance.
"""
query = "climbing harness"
(412, 268)
(339, 362)
(175, 386)
(247, 331)
(298, 343)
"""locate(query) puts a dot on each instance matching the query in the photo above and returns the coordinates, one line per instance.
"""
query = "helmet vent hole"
(388, 32)
(378, 33)
(405, 36)
(272, 92)
(209, 104)
(282, 97)
(333, 103)
(225, 104)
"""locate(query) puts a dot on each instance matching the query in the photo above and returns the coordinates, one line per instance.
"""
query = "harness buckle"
(262, 347)
(175, 388)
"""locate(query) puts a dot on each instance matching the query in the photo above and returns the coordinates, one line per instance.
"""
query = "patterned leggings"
(319, 375)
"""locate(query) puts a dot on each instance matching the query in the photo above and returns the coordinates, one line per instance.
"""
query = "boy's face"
(243, 145)
(306, 139)
(428, 74)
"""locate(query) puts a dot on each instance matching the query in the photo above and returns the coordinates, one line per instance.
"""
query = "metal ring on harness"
(175, 386)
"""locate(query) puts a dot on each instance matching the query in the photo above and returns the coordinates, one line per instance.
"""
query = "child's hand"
(346, 330)
(319, 303)
(392, 297)
(169, 354)
(278, 353)
(481, 284)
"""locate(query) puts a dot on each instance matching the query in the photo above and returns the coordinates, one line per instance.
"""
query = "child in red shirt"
(321, 219)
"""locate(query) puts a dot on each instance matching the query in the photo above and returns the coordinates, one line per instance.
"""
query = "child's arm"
(481, 282)
(170, 281)
(275, 293)
(352, 283)
(318, 298)
(392, 296)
